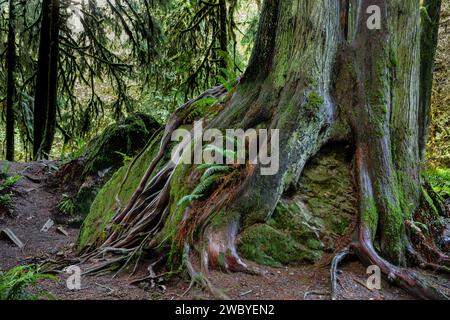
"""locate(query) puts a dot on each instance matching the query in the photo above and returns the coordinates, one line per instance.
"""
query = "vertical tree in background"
(430, 16)
(223, 37)
(46, 80)
(11, 65)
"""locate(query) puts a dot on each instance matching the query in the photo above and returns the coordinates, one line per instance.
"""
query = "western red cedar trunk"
(11, 65)
(45, 104)
(320, 75)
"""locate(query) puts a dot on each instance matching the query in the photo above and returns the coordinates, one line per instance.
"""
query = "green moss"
(323, 208)
(440, 181)
(315, 101)
(393, 232)
(104, 205)
(327, 189)
(369, 214)
(269, 246)
(430, 203)
(294, 219)
(126, 137)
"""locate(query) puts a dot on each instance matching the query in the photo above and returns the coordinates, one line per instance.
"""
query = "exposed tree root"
(133, 228)
(405, 279)
(338, 258)
(199, 278)
(220, 250)
(401, 277)
(364, 249)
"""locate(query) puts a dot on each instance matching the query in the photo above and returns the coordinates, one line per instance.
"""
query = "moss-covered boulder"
(120, 185)
(123, 139)
(267, 245)
(82, 178)
(310, 221)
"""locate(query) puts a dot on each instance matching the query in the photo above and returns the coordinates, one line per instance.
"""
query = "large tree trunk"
(320, 75)
(11, 65)
(46, 81)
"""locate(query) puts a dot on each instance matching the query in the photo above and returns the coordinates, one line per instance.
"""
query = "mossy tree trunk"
(320, 75)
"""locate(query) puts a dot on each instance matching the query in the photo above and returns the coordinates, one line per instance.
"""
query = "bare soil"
(35, 201)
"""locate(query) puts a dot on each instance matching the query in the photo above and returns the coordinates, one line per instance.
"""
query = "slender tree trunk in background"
(430, 15)
(320, 75)
(223, 31)
(11, 65)
(46, 81)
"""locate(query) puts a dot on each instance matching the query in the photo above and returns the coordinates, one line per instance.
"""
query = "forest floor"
(35, 201)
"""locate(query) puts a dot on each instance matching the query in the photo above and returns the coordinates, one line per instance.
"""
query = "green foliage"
(269, 246)
(116, 145)
(6, 183)
(440, 181)
(438, 147)
(213, 172)
(126, 158)
(19, 283)
(120, 185)
(186, 200)
(227, 76)
(204, 185)
(228, 154)
(117, 57)
(66, 205)
(73, 151)
(9, 182)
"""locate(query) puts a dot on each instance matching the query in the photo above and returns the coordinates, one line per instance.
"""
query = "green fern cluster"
(212, 173)
(66, 204)
(5, 187)
(440, 181)
(19, 283)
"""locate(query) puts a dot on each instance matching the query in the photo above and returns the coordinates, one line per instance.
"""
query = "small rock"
(47, 225)
(12, 237)
(61, 230)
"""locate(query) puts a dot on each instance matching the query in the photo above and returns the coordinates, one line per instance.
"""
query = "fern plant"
(5, 188)
(20, 283)
(212, 173)
(66, 204)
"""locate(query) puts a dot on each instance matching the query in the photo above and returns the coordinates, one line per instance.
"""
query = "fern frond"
(206, 166)
(223, 152)
(205, 184)
(215, 169)
(189, 198)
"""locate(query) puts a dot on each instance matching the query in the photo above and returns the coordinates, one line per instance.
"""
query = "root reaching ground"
(310, 84)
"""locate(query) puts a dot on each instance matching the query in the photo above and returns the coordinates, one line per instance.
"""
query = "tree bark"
(430, 15)
(320, 75)
(223, 38)
(46, 80)
(11, 65)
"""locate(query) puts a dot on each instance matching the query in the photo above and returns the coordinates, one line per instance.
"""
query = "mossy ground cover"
(105, 204)
(309, 222)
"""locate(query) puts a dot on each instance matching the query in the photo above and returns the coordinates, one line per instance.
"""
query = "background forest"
(147, 56)
(89, 85)
(118, 57)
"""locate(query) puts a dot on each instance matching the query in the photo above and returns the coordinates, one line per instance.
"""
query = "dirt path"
(34, 203)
